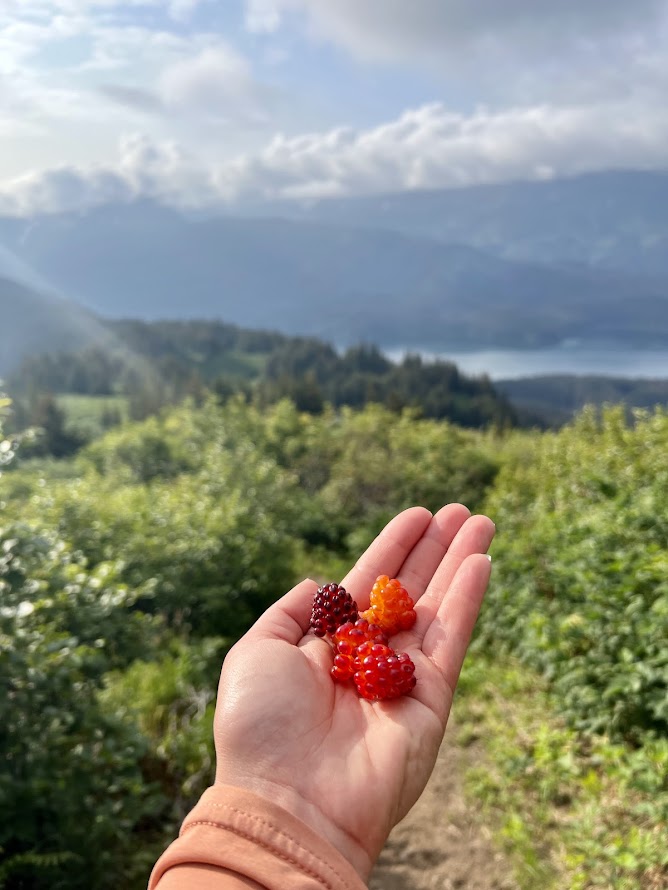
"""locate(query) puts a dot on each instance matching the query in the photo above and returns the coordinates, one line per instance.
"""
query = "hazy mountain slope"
(32, 323)
(555, 398)
(334, 281)
(614, 220)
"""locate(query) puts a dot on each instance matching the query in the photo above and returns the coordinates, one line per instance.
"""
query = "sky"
(209, 103)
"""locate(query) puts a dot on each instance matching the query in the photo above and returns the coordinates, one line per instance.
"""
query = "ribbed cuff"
(235, 829)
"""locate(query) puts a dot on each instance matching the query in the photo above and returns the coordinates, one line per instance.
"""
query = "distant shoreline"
(578, 359)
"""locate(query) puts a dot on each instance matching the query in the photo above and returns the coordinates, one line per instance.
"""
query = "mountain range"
(516, 265)
(615, 221)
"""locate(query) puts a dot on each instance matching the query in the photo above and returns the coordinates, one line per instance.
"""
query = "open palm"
(351, 768)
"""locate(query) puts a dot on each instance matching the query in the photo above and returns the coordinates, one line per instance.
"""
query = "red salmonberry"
(347, 640)
(382, 674)
(390, 606)
(332, 607)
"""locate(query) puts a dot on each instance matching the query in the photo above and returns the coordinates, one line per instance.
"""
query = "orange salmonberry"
(361, 641)
(391, 608)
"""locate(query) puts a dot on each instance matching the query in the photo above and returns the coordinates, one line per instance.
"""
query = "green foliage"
(579, 593)
(345, 470)
(137, 563)
(581, 583)
(571, 809)
(157, 364)
(73, 792)
(94, 371)
(381, 463)
(312, 374)
(199, 520)
(88, 417)
(171, 700)
(141, 453)
(27, 866)
(51, 436)
(7, 446)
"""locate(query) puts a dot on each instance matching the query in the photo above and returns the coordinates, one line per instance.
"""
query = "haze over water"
(503, 364)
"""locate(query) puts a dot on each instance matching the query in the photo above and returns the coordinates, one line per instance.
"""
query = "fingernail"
(488, 556)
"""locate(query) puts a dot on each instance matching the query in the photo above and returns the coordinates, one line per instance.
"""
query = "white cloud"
(394, 29)
(215, 83)
(62, 189)
(426, 147)
(430, 147)
(568, 87)
(182, 10)
(23, 37)
(165, 171)
(262, 16)
(503, 52)
(192, 78)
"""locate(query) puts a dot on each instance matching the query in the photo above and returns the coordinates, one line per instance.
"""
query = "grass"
(78, 407)
(569, 810)
(232, 363)
(89, 416)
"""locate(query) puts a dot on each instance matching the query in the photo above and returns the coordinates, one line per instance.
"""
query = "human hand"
(351, 768)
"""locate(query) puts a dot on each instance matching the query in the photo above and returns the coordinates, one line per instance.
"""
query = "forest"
(145, 366)
(154, 364)
(130, 567)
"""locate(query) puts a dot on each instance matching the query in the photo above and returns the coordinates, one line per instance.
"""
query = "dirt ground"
(439, 846)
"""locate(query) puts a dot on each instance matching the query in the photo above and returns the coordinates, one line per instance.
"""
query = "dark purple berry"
(332, 607)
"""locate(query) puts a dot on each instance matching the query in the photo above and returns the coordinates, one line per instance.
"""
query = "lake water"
(605, 360)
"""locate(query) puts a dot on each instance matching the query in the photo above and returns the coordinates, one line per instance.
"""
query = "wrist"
(307, 812)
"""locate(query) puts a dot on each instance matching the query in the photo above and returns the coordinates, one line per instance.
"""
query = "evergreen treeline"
(157, 364)
(312, 374)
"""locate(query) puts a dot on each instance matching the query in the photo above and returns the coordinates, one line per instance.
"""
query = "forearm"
(236, 840)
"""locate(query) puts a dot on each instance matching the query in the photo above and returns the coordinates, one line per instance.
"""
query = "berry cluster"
(332, 606)
(381, 673)
(348, 640)
(391, 607)
(362, 651)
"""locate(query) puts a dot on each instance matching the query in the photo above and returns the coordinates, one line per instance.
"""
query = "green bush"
(136, 564)
(581, 581)
(571, 809)
(72, 791)
(202, 526)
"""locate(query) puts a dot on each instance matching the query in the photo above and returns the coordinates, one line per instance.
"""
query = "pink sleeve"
(236, 840)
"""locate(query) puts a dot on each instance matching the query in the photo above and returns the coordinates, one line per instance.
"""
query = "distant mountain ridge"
(433, 270)
(555, 398)
(615, 220)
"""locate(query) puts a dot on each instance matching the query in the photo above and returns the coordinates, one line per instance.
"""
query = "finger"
(387, 553)
(448, 637)
(421, 563)
(289, 617)
(474, 536)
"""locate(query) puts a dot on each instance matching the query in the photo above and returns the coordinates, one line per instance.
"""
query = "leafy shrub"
(571, 809)
(204, 535)
(581, 581)
(171, 700)
(72, 791)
